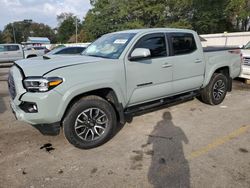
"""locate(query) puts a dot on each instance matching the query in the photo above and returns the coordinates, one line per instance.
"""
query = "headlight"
(41, 84)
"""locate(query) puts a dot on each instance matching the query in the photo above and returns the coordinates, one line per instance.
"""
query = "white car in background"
(246, 62)
(12, 52)
(35, 51)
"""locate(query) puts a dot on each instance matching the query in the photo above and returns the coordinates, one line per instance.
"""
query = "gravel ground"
(187, 145)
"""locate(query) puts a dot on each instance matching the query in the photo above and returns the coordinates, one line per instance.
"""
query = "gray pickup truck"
(120, 73)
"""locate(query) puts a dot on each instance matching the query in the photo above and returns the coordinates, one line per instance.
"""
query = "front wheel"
(215, 92)
(90, 122)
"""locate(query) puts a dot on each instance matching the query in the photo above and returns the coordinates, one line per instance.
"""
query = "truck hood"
(38, 66)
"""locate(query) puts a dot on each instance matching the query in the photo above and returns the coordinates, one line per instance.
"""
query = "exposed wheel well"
(29, 56)
(226, 72)
(223, 70)
(105, 93)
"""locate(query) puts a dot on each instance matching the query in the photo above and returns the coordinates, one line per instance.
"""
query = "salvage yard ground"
(187, 145)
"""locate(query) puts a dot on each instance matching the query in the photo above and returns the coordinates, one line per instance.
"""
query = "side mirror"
(140, 53)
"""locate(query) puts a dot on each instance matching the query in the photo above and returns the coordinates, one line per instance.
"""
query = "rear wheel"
(215, 92)
(90, 122)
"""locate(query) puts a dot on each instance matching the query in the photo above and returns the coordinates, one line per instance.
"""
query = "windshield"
(247, 46)
(109, 46)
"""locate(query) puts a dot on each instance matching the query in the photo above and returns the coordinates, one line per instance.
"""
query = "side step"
(170, 101)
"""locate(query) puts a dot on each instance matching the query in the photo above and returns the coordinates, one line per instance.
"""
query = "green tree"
(204, 16)
(112, 15)
(8, 37)
(209, 16)
(179, 13)
(41, 30)
(67, 26)
(26, 28)
(238, 12)
(1, 37)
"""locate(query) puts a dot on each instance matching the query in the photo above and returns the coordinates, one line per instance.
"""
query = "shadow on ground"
(3, 76)
(169, 167)
(2, 103)
(240, 85)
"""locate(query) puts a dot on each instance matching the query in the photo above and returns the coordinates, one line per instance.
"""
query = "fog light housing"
(29, 107)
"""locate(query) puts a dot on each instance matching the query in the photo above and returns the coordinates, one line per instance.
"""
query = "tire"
(215, 92)
(90, 122)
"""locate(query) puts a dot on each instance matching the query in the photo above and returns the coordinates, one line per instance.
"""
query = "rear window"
(183, 43)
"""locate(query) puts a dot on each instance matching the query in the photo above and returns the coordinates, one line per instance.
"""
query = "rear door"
(150, 78)
(187, 60)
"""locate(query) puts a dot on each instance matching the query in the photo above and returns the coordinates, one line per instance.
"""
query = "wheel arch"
(105, 93)
(225, 70)
(32, 55)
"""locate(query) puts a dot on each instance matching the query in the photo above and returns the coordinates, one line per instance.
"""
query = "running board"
(169, 101)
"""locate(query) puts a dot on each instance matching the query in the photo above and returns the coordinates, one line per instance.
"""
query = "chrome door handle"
(167, 65)
(198, 61)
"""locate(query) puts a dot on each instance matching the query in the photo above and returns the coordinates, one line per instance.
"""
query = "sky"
(41, 11)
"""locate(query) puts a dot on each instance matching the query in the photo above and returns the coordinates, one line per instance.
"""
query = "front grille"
(12, 88)
(246, 61)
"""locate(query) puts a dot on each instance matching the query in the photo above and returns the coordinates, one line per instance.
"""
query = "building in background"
(36, 41)
(226, 39)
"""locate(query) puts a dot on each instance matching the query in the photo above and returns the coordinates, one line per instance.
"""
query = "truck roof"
(136, 31)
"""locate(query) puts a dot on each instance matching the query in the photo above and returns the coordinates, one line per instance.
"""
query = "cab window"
(183, 43)
(156, 43)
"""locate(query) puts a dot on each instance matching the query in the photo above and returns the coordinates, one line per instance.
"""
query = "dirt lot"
(188, 145)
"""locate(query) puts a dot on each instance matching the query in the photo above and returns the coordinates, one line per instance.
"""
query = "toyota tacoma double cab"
(118, 74)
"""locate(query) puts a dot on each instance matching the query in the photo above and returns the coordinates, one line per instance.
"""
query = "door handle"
(167, 65)
(198, 61)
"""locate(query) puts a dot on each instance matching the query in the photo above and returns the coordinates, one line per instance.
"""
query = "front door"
(151, 78)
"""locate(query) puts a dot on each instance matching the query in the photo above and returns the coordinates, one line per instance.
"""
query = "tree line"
(203, 16)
